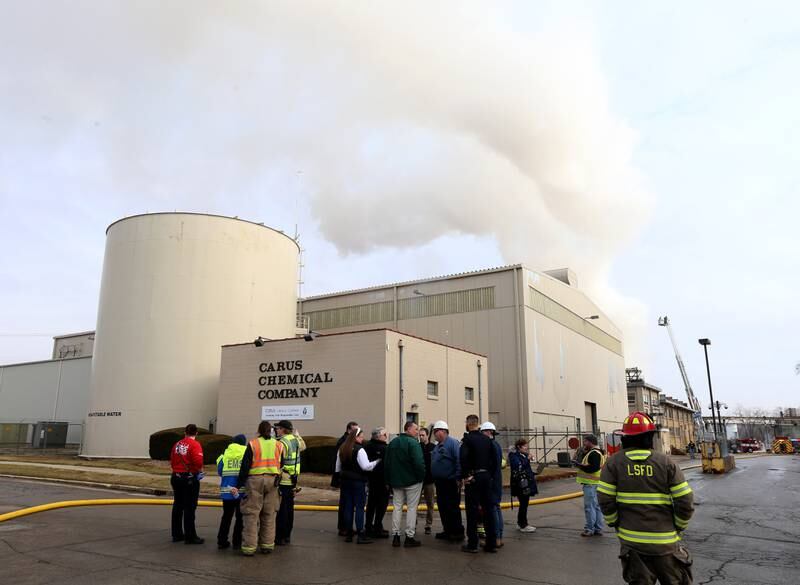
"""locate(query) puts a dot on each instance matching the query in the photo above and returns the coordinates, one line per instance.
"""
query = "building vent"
(351, 316)
(462, 301)
(549, 308)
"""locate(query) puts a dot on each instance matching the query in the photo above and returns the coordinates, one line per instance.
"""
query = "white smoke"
(409, 120)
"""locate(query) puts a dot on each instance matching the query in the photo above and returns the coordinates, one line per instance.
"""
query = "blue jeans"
(594, 517)
(498, 521)
(354, 494)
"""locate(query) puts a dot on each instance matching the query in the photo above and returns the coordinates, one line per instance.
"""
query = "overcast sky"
(653, 147)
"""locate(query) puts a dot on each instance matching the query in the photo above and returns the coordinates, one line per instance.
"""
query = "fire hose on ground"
(218, 504)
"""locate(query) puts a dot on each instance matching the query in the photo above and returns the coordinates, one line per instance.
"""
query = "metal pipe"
(402, 414)
(711, 393)
(480, 394)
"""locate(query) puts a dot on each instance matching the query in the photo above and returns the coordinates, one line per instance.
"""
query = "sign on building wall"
(298, 412)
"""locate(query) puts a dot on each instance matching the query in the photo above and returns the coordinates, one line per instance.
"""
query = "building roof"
(418, 281)
(234, 218)
(675, 402)
(266, 341)
(68, 335)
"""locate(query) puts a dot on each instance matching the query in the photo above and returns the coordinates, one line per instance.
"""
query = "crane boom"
(694, 403)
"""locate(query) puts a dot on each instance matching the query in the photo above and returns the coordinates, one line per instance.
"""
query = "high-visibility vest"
(291, 459)
(231, 461)
(590, 478)
(266, 456)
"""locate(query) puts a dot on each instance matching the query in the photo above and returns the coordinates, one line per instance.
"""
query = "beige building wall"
(360, 381)
(547, 361)
(74, 345)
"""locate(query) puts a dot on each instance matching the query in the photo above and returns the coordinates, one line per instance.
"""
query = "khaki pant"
(258, 510)
(429, 495)
(671, 569)
(409, 496)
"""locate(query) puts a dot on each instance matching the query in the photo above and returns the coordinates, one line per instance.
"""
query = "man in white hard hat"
(446, 472)
(490, 431)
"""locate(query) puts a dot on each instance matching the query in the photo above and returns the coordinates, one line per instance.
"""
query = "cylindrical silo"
(175, 288)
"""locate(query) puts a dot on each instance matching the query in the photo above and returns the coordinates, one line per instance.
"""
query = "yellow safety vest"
(266, 456)
(291, 459)
(590, 478)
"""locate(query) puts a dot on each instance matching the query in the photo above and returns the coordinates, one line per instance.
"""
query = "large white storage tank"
(175, 288)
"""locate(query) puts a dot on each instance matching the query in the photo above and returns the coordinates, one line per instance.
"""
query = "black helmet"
(285, 424)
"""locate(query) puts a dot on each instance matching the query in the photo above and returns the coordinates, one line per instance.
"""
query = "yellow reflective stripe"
(679, 487)
(648, 537)
(680, 522)
(645, 496)
(683, 492)
(611, 518)
(609, 486)
(604, 490)
(638, 452)
(634, 501)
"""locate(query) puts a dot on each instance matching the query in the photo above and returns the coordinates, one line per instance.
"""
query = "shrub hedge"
(320, 454)
(161, 443)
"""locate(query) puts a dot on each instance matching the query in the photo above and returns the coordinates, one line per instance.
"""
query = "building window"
(469, 394)
(433, 389)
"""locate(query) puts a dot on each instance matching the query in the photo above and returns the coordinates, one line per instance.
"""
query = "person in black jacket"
(523, 483)
(378, 496)
(335, 477)
(354, 466)
(428, 489)
(478, 464)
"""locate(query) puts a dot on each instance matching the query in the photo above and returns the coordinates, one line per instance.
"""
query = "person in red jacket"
(186, 459)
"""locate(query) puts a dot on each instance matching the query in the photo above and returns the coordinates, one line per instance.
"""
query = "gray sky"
(650, 146)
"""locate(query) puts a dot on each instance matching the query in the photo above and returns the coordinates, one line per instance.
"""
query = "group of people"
(639, 492)
(411, 468)
(257, 487)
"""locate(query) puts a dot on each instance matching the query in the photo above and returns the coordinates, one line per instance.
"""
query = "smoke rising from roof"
(408, 120)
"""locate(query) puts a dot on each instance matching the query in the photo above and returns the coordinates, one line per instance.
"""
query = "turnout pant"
(259, 509)
(670, 569)
(409, 496)
(184, 504)
(448, 497)
(285, 521)
(377, 502)
(229, 509)
(478, 496)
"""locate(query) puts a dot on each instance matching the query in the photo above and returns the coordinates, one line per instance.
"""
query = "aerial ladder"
(714, 453)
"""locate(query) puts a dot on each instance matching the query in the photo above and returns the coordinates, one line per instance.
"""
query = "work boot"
(468, 549)
(396, 540)
(194, 540)
(411, 542)
(223, 545)
(349, 537)
(364, 539)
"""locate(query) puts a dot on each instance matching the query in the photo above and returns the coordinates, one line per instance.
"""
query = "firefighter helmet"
(638, 423)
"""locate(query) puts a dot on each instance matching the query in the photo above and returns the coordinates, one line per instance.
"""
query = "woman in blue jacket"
(523, 483)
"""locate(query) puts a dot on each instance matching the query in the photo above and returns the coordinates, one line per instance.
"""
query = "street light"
(705, 342)
(259, 341)
(591, 317)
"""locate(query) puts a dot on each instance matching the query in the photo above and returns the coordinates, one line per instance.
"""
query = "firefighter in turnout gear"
(293, 444)
(646, 498)
(260, 473)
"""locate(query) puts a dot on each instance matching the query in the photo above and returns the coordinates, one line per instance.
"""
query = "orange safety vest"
(266, 456)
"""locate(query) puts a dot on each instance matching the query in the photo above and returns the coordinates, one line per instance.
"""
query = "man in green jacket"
(405, 472)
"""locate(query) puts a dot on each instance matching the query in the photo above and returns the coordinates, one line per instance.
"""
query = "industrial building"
(556, 359)
(673, 417)
(535, 351)
(377, 378)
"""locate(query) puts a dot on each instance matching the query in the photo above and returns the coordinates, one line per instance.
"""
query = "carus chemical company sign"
(287, 379)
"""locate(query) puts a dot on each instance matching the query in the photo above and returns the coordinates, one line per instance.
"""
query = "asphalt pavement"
(746, 531)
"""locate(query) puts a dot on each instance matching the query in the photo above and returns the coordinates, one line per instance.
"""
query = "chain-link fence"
(40, 437)
(548, 446)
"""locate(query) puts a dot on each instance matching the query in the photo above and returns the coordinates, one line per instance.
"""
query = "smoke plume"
(409, 120)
